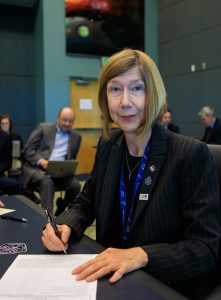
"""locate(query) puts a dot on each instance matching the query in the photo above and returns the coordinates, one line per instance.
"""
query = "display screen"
(103, 27)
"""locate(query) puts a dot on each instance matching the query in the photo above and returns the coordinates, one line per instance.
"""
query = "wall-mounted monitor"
(103, 27)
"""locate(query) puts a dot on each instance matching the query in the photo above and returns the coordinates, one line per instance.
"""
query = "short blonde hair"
(120, 63)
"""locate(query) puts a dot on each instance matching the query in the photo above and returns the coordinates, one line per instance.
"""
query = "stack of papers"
(46, 277)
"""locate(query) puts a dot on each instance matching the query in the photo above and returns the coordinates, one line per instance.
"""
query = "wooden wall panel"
(87, 151)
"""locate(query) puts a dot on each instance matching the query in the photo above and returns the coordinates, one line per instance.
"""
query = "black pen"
(14, 219)
(51, 220)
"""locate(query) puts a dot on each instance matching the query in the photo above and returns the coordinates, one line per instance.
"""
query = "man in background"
(52, 141)
(212, 133)
(167, 122)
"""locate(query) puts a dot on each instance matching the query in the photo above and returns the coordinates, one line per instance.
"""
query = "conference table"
(135, 285)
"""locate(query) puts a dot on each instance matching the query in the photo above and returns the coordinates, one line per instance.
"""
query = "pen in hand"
(51, 220)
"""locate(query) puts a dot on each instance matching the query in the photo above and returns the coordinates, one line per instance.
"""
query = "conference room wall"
(190, 58)
(35, 71)
(17, 74)
(58, 68)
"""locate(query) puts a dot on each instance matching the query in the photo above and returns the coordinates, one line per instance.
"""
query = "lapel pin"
(148, 181)
(152, 168)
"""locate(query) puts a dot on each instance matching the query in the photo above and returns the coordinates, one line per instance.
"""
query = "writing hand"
(50, 239)
(112, 260)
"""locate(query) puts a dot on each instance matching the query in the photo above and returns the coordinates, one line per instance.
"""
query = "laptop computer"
(63, 168)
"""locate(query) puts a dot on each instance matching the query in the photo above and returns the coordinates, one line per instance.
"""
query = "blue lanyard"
(123, 197)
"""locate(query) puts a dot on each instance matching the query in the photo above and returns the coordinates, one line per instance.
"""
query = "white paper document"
(5, 211)
(46, 277)
(86, 104)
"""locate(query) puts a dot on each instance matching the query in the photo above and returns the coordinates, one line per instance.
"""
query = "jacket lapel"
(108, 194)
(155, 162)
(70, 145)
(51, 138)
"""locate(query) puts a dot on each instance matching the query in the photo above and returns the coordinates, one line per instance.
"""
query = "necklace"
(131, 171)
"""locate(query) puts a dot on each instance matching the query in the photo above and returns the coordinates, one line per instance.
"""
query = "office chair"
(16, 167)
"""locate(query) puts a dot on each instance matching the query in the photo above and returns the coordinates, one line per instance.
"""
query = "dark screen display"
(103, 27)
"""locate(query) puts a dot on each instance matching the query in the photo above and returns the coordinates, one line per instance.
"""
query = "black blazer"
(214, 135)
(178, 226)
(5, 152)
(174, 128)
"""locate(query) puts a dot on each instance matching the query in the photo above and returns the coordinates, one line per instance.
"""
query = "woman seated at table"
(154, 193)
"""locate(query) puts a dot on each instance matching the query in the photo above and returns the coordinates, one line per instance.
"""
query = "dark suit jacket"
(179, 224)
(174, 128)
(40, 145)
(214, 135)
(5, 152)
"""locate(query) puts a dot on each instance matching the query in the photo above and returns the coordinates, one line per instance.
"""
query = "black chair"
(16, 168)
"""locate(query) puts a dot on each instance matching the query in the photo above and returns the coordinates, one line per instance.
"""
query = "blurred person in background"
(212, 132)
(6, 125)
(52, 141)
(7, 185)
(167, 122)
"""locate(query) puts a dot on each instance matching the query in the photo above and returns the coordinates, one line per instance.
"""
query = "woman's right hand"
(50, 239)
